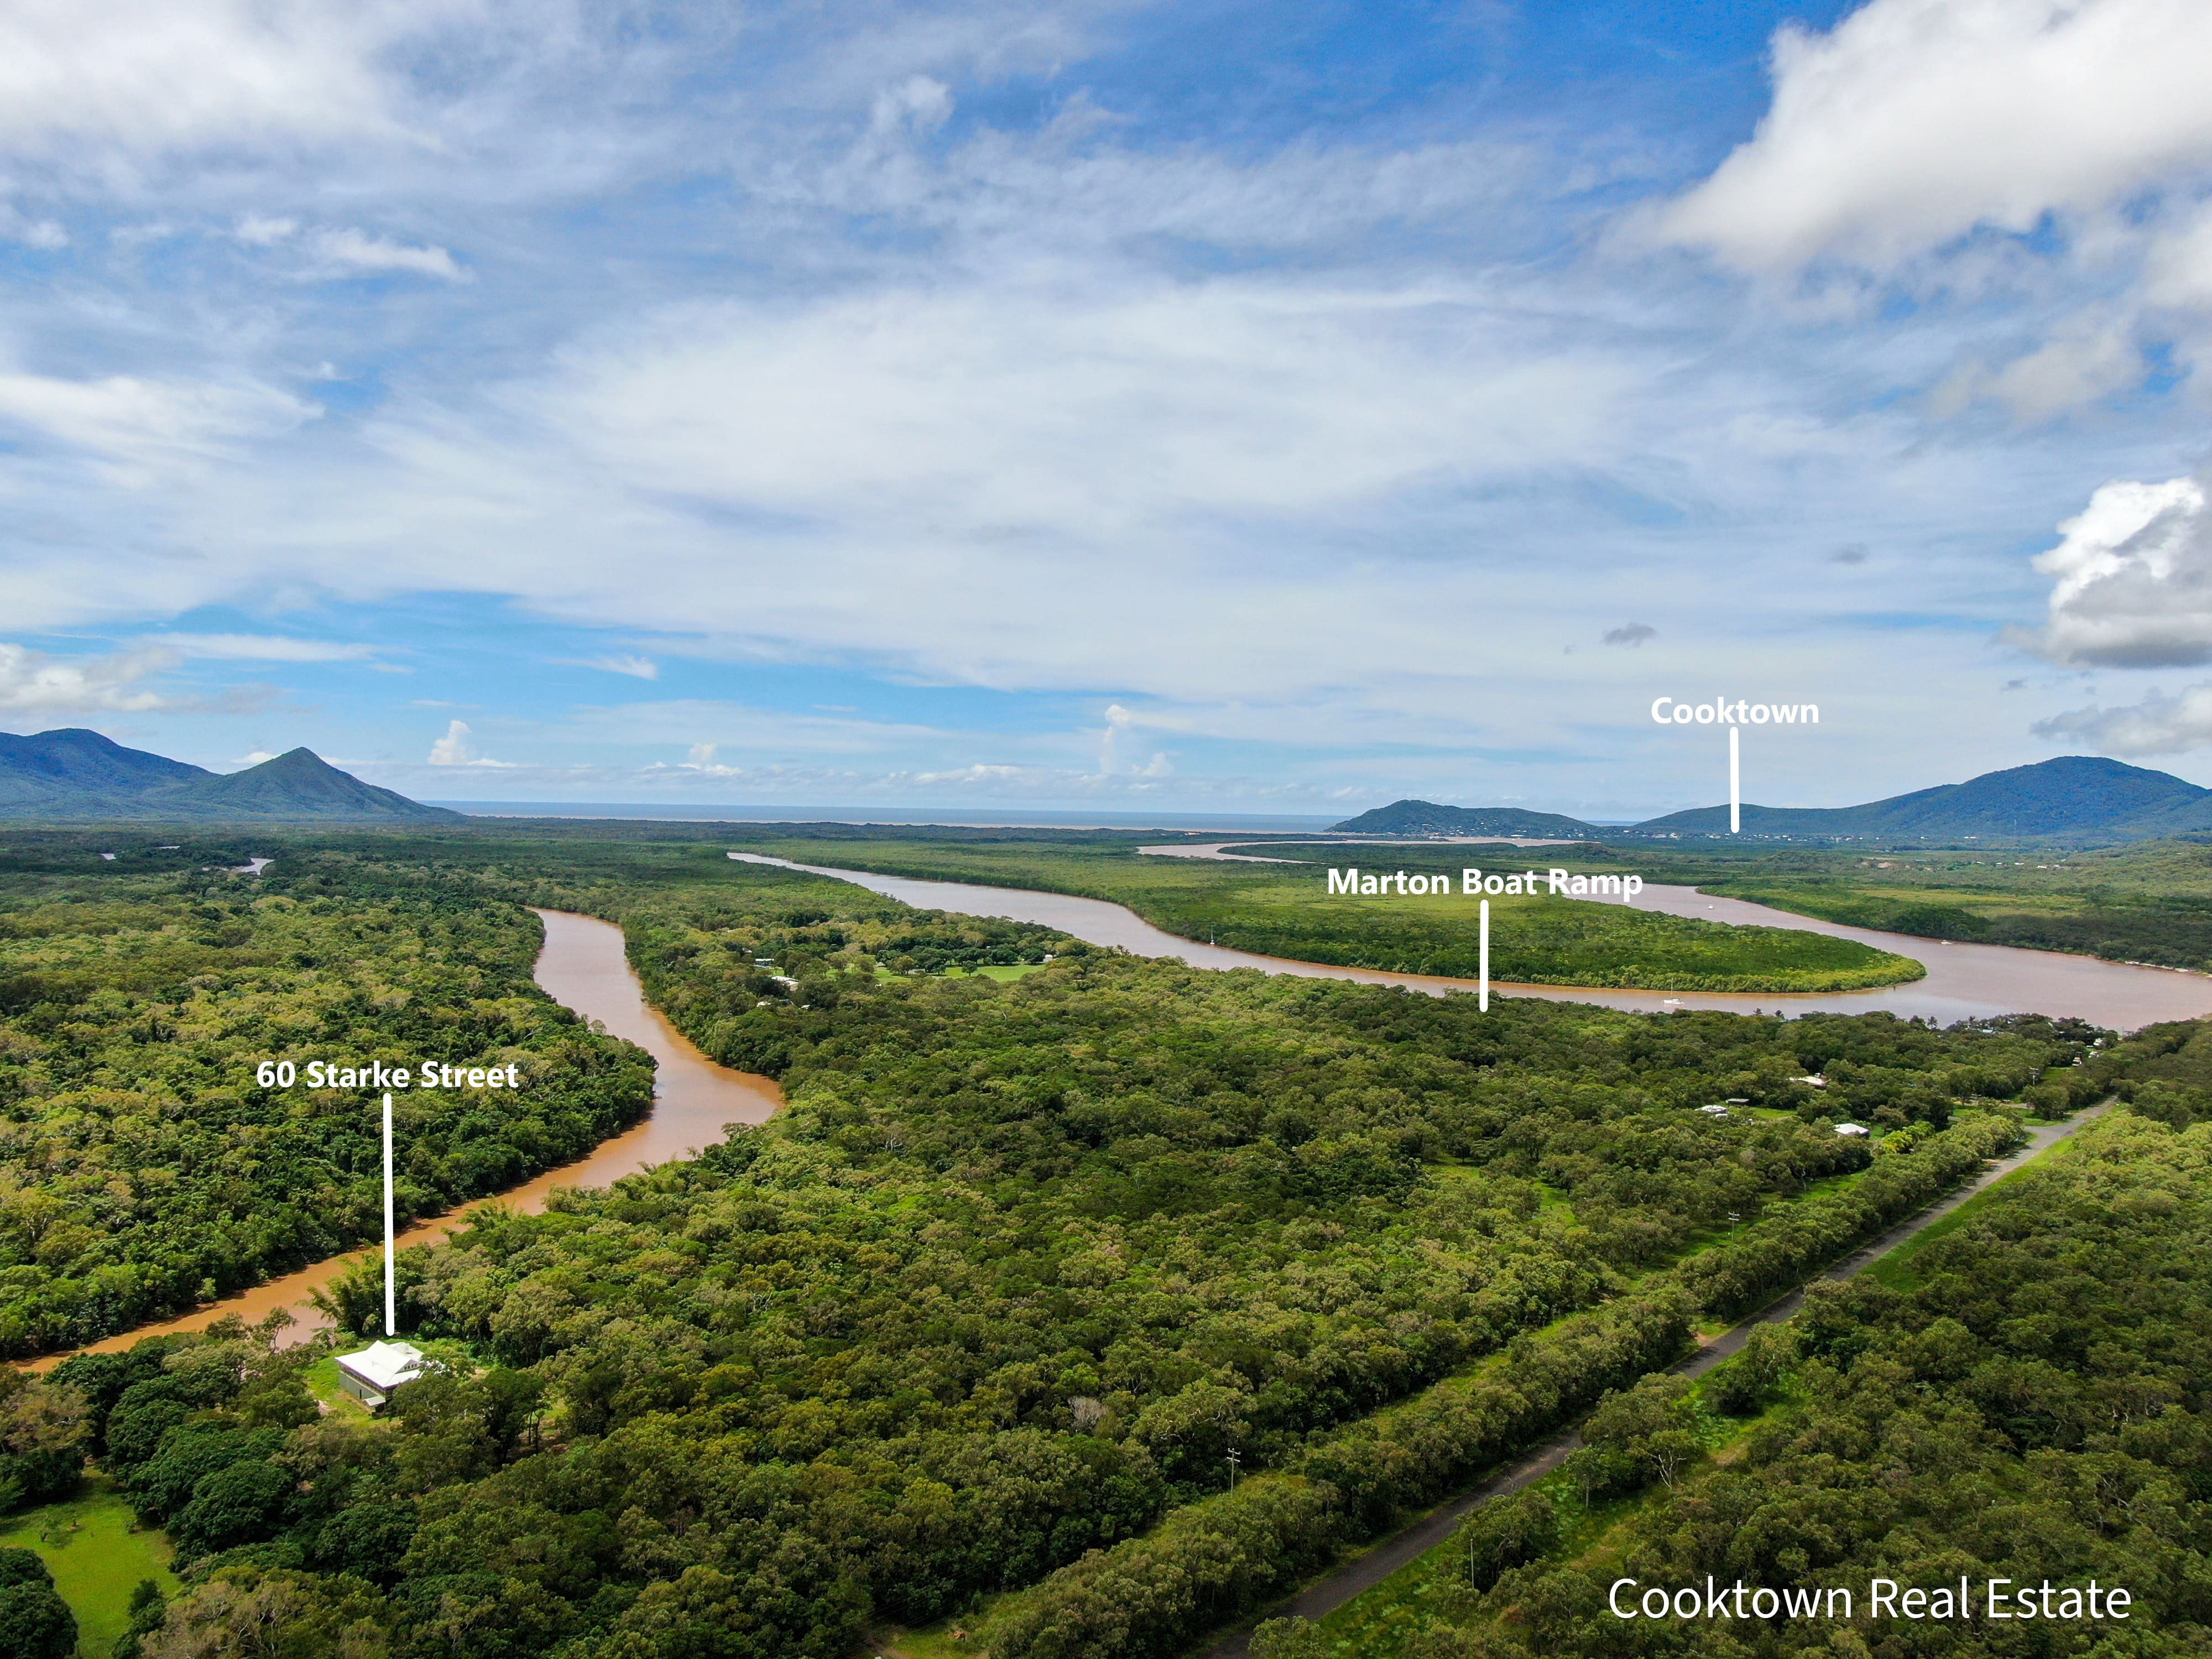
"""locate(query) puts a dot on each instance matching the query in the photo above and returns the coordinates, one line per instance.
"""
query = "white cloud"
(2158, 724)
(140, 424)
(355, 250)
(45, 234)
(1914, 122)
(256, 230)
(2088, 358)
(1122, 726)
(263, 648)
(1034, 407)
(138, 77)
(2134, 574)
(2178, 271)
(620, 662)
(920, 103)
(254, 757)
(458, 748)
(979, 773)
(32, 682)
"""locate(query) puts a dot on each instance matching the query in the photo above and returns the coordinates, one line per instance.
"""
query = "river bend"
(583, 967)
(1963, 981)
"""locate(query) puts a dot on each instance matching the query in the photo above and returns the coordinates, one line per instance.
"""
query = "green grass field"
(98, 1554)
(322, 1380)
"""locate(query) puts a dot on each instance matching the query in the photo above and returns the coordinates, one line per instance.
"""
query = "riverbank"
(1963, 982)
(581, 965)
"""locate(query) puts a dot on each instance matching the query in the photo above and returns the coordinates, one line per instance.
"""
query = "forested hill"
(2080, 798)
(1426, 818)
(2075, 798)
(76, 776)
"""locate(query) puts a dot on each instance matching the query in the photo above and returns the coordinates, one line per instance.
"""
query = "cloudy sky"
(1022, 404)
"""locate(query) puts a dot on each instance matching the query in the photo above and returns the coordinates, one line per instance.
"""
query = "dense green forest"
(2146, 904)
(989, 1307)
(2024, 1399)
(143, 1167)
(1284, 909)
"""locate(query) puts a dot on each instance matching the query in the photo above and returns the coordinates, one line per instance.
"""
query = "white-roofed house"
(371, 1373)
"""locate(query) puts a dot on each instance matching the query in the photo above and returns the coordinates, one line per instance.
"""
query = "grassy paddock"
(97, 1552)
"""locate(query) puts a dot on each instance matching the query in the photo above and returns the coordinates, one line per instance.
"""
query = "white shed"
(1850, 1128)
(371, 1373)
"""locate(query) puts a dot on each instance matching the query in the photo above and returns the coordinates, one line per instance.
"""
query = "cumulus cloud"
(32, 682)
(458, 748)
(2134, 587)
(1114, 756)
(2158, 724)
(1632, 633)
(1913, 123)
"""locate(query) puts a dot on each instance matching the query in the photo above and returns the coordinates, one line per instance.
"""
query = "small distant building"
(1738, 1100)
(1850, 1128)
(373, 1373)
(1714, 1111)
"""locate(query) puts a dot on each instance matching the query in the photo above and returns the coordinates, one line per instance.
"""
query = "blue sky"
(1198, 407)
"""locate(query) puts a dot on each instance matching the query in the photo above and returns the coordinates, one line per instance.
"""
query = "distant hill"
(1426, 818)
(70, 764)
(2076, 798)
(73, 775)
(2073, 797)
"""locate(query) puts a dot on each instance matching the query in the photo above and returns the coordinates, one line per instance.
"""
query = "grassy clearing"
(322, 1380)
(949, 1638)
(97, 1553)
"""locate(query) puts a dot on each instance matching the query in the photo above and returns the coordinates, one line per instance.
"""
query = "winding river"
(583, 967)
(1963, 981)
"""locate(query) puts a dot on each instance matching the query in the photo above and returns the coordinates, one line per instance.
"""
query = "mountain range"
(72, 775)
(2075, 798)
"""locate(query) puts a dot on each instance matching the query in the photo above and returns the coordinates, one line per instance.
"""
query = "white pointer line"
(391, 1301)
(1482, 963)
(1735, 785)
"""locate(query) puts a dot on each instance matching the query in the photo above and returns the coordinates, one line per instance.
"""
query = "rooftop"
(384, 1365)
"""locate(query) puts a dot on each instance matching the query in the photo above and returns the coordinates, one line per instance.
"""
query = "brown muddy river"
(1963, 981)
(583, 967)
